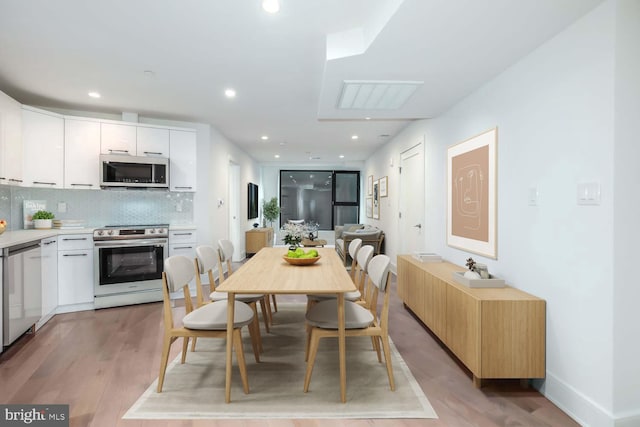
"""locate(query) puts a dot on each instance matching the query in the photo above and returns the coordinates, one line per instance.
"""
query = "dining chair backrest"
(354, 247)
(364, 256)
(225, 253)
(179, 271)
(207, 258)
(378, 270)
(226, 249)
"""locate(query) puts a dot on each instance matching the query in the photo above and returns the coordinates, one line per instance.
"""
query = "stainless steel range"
(129, 261)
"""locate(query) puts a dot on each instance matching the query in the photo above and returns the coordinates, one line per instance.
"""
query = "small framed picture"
(369, 185)
(383, 186)
(369, 207)
(376, 199)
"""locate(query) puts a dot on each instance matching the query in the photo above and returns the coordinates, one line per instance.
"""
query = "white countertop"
(182, 227)
(17, 237)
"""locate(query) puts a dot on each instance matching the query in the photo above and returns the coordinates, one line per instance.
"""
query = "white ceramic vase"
(42, 224)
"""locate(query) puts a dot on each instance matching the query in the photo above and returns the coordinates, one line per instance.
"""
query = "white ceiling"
(52, 53)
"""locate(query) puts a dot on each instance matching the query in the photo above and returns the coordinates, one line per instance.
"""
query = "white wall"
(223, 152)
(626, 350)
(555, 116)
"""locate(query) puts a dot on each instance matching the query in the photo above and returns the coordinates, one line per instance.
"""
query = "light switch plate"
(533, 196)
(588, 193)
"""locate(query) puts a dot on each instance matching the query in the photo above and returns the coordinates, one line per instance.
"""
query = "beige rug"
(195, 390)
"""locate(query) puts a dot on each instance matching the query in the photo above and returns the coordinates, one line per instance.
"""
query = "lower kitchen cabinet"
(75, 270)
(49, 266)
(183, 242)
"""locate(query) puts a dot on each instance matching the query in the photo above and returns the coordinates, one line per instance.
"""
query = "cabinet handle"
(44, 183)
(75, 238)
(183, 247)
(2, 177)
(50, 243)
(15, 180)
(118, 151)
(186, 188)
(74, 255)
(82, 185)
(153, 152)
(182, 234)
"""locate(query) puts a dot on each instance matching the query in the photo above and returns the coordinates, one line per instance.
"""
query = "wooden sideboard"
(258, 238)
(495, 332)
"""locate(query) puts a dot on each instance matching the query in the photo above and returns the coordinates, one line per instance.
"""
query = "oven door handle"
(121, 243)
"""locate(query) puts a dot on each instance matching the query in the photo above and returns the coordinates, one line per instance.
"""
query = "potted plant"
(271, 210)
(42, 220)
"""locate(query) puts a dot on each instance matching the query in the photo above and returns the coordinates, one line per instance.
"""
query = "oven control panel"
(130, 233)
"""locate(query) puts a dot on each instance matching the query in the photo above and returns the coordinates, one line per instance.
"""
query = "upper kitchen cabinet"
(182, 157)
(43, 148)
(152, 141)
(118, 138)
(81, 152)
(10, 141)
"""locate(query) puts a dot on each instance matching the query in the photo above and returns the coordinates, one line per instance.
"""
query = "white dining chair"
(205, 261)
(208, 321)
(359, 320)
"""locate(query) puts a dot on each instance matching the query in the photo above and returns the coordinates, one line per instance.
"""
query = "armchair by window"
(369, 235)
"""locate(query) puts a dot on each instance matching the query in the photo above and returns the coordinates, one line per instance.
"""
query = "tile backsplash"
(100, 207)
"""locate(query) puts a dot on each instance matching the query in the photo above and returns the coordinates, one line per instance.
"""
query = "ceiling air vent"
(376, 94)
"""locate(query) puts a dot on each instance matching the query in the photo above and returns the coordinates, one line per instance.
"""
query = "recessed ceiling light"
(277, 156)
(354, 136)
(367, 118)
(264, 137)
(271, 6)
(342, 156)
(94, 94)
(230, 93)
(149, 73)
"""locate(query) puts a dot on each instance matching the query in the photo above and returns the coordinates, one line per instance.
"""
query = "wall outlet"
(62, 207)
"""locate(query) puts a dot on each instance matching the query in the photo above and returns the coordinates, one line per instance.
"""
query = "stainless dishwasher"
(21, 290)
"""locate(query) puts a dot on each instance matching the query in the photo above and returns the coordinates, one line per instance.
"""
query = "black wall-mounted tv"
(252, 201)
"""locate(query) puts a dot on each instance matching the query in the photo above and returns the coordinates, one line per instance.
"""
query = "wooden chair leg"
(164, 359)
(275, 304)
(265, 316)
(267, 303)
(308, 327)
(387, 358)
(185, 347)
(376, 347)
(313, 350)
(254, 333)
(237, 344)
(193, 344)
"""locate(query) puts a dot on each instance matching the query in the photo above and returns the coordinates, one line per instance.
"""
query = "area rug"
(195, 390)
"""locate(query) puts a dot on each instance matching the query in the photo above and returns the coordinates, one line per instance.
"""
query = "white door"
(234, 212)
(411, 221)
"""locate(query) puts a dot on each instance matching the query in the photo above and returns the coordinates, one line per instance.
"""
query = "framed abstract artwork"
(376, 199)
(369, 185)
(471, 194)
(369, 207)
(383, 186)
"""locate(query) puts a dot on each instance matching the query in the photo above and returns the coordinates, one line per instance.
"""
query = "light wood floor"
(100, 362)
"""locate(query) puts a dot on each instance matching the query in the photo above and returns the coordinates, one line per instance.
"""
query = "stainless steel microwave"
(121, 170)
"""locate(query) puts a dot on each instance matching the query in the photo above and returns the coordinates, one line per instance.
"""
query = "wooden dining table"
(268, 273)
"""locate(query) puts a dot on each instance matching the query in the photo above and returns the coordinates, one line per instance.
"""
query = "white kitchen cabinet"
(75, 270)
(152, 141)
(118, 138)
(10, 141)
(183, 242)
(49, 268)
(43, 148)
(182, 156)
(81, 154)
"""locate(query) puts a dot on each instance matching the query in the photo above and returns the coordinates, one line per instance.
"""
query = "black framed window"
(325, 197)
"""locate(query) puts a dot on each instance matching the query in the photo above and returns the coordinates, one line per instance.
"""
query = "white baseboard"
(628, 420)
(575, 404)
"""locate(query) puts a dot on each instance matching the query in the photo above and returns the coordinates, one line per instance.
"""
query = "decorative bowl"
(2, 228)
(301, 261)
